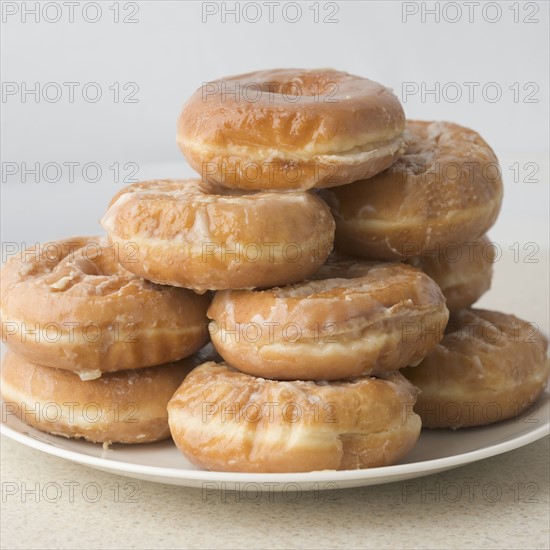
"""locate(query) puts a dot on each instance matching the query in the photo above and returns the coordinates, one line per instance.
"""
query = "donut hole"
(306, 85)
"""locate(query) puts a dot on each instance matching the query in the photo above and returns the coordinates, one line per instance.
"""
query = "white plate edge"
(437, 464)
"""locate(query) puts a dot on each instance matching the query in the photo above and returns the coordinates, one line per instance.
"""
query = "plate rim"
(327, 476)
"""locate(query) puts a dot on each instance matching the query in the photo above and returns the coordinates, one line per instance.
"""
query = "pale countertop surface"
(500, 502)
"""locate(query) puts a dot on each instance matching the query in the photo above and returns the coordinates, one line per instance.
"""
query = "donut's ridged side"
(280, 173)
(186, 235)
(393, 316)
(446, 189)
(124, 407)
(340, 128)
(67, 314)
(225, 420)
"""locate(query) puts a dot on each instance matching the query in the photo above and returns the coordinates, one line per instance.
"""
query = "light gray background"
(176, 46)
(170, 52)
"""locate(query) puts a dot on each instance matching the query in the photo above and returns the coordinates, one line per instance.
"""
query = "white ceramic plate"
(436, 451)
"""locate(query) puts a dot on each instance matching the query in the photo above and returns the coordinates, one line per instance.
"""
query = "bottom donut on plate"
(490, 366)
(120, 407)
(222, 419)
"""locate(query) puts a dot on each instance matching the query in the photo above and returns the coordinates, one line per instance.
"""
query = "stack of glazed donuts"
(320, 251)
(94, 351)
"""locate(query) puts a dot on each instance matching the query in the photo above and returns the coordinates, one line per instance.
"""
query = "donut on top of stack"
(291, 129)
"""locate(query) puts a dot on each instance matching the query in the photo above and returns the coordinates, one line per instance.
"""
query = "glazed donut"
(70, 305)
(291, 129)
(462, 271)
(390, 316)
(184, 235)
(489, 367)
(120, 407)
(222, 419)
(445, 189)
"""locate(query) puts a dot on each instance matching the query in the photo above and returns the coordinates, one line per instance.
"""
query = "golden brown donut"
(447, 188)
(120, 407)
(69, 305)
(185, 235)
(390, 316)
(489, 367)
(462, 271)
(225, 420)
(291, 129)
